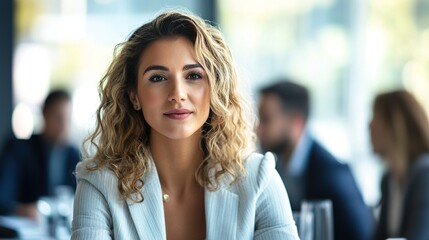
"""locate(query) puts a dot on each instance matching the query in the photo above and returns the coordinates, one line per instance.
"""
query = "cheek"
(376, 132)
(279, 126)
(206, 100)
(149, 104)
(272, 130)
(148, 98)
(202, 97)
(379, 138)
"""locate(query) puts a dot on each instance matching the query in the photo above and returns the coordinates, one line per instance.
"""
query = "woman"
(173, 145)
(400, 135)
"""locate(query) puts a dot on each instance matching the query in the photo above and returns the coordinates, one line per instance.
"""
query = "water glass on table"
(316, 220)
(56, 212)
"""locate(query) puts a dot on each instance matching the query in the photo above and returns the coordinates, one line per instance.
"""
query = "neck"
(176, 162)
(287, 154)
(398, 167)
(294, 140)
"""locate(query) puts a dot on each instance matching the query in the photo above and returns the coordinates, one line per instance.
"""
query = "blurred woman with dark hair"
(400, 135)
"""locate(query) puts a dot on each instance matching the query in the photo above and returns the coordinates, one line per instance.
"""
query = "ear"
(134, 100)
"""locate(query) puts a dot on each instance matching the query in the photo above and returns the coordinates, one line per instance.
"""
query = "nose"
(178, 90)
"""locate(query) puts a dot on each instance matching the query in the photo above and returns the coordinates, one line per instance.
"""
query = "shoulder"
(84, 171)
(258, 164)
(324, 170)
(322, 156)
(322, 161)
(73, 153)
(22, 150)
(422, 163)
(72, 149)
(259, 170)
(420, 172)
(102, 179)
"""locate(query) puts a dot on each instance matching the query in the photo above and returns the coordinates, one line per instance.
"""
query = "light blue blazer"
(255, 207)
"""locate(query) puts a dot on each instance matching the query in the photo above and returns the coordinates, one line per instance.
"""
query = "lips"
(178, 114)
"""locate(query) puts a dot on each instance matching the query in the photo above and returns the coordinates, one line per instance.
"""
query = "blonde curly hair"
(121, 135)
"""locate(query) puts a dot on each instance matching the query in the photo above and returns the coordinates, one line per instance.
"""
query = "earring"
(136, 107)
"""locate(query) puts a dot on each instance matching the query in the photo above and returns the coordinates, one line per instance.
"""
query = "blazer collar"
(148, 216)
(221, 210)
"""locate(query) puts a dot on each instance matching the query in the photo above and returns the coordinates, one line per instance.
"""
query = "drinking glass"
(316, 220)
(56, 212)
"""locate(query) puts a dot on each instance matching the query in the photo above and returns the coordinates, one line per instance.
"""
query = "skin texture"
(159, 91)
(378, 132)
(278, 131)
(170, 78)
(383, 144)
(57, 121)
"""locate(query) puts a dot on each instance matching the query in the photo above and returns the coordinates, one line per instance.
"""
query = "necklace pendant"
(165, 197)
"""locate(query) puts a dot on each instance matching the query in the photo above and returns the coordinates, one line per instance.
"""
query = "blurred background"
(345, 52)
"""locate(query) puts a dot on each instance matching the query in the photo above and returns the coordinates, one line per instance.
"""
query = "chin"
(177, 132)
(180, 135)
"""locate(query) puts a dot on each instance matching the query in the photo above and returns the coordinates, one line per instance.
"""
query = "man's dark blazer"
(415, 215)
(326, 178)
(24, 171)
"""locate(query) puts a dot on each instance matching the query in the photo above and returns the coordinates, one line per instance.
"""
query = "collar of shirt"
(299, 158)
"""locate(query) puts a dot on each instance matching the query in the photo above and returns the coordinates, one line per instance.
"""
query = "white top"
(292, 173)
(394, 213)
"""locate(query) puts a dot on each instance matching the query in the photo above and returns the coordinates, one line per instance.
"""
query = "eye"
(194, 76)
(157, 78)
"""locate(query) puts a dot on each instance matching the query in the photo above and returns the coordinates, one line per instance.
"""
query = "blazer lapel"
(221, 209)
(148, 216)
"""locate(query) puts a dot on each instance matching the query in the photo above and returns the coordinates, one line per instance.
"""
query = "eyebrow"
(162, 68)
(190, 66)
(155, 67)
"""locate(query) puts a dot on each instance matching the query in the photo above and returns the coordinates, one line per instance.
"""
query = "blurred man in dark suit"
(30, 169)
(308, 170)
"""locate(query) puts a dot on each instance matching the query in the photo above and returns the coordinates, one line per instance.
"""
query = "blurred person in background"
(400, 136)
(308, 170)
(33, 168)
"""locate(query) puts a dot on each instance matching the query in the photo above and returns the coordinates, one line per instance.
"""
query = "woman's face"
(172, 89)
